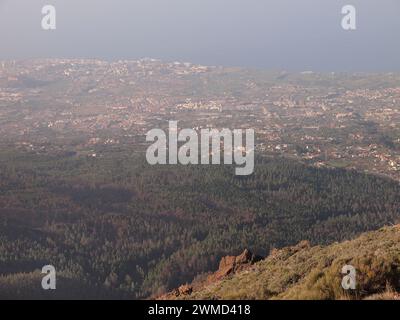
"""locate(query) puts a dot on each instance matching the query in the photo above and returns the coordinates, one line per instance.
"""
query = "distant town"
(82, 107)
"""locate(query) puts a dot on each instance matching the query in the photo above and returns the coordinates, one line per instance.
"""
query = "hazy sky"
(271, 34)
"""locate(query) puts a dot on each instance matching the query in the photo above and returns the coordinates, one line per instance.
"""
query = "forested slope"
(134, 230)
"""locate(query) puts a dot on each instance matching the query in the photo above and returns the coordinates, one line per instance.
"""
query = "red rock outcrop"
(228, 265)
(231, 265)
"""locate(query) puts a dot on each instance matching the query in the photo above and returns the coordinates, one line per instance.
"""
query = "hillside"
(306, 272)
(114, 222)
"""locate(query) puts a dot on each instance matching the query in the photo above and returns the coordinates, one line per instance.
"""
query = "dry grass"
(304, 272)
